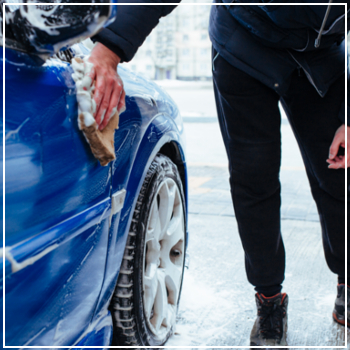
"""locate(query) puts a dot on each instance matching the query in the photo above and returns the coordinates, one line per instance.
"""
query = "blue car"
(93, 255)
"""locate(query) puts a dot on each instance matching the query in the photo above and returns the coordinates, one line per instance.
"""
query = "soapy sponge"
(101, 142)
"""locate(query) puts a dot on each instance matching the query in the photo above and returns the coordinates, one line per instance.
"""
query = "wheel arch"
(169, 142)
(174, 151)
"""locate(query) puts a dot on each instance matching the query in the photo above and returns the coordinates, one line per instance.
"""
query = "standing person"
(262, 55)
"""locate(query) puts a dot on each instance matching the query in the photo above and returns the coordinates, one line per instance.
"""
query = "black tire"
(127, 304)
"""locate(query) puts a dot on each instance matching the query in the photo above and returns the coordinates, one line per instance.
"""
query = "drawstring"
(216, 56)
(318, 39)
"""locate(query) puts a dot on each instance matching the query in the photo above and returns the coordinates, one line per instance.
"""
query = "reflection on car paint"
(17, 266)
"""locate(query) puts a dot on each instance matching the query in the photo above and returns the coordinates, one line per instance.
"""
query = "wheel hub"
(163, 258)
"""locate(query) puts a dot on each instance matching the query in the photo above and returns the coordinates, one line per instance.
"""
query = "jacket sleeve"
(132, 25)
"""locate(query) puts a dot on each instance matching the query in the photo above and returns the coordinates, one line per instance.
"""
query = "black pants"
(250, 125)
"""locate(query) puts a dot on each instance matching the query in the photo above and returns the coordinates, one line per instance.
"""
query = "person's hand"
(109, 92)
(338, 162)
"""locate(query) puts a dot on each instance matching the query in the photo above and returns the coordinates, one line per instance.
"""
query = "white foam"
(38, 18)
(86, 103)
(17, 266)
(113, 111)
(88, 118)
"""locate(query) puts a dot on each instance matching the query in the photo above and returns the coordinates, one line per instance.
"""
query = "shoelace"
(271, 316)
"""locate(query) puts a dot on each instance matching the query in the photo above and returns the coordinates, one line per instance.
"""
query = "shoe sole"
(266, 347)
(282, 343)
(342, 322)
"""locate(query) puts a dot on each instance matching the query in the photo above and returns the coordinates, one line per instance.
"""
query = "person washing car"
(262, 54)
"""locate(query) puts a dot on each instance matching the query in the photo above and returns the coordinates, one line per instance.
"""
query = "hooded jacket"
(267, 41)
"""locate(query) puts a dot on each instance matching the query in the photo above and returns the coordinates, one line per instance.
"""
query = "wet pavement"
(217, 306)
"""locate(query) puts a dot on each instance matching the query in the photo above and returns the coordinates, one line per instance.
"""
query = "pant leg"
(314, 121)
(250, 125)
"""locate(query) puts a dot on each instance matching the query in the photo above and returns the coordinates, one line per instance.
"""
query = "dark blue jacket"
(268, 42)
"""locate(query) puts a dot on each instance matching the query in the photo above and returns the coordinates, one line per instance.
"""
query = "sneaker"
(339, 307)
(270, 327)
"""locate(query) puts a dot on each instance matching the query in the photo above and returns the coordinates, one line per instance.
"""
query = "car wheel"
(145, 301)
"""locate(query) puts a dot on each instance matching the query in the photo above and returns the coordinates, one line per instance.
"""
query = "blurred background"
(179, 47)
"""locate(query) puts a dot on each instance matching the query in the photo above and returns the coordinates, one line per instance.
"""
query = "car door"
(57, 208)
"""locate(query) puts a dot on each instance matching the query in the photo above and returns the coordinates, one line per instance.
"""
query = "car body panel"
(53, 166)
(64, 245)
(100, 333)
(57, 198)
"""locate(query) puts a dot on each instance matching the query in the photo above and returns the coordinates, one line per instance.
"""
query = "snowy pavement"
(217, 306)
